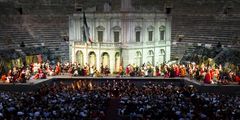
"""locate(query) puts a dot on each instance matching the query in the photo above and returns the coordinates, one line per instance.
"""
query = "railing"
(118, 45)
(96, 44)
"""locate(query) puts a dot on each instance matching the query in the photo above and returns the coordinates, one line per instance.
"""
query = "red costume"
(158, 73)
(4, 78)
(176, 72)
(58, 70)
(237, 78)
(201, 71)
(120, 70)
(127, 70)
(208, 78)
(211, 73)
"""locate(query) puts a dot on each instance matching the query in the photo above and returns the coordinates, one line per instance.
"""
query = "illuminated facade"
(121, 38)
(127, 38)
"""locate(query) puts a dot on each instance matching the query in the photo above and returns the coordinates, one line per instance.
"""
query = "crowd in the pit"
(79, 100)
(154, 101)
(207, 73)
(89, 100)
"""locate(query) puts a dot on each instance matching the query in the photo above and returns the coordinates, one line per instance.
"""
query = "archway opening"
(151, 57)
(117, 61)
(138, 58)
(92, 59)
(105, 59)
(79, 57)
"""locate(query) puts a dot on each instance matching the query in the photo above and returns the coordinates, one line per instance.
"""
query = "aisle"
(112, 110)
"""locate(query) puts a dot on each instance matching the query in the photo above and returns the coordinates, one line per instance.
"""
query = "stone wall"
(198, 21)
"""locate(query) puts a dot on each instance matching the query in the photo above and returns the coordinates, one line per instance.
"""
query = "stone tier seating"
(36, 31)
(205, 6)
(11, 36)
(206, 29)
(51, 29)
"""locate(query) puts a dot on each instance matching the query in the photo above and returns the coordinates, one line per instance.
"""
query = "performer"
(92, 70)
(237, 79)
(85, 71)
(42, 75)
(106, 70)
(157, 71)
(183, 71)
(58, 69)
(120, 72)
(128, 70)
(101, 69)
(96, 73)
(4, 78)
(208, 78)
(176, 71)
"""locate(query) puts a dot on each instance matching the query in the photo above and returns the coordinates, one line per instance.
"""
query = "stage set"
(119, 59)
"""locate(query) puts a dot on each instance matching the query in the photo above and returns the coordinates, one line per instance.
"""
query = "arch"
(92, 58)
(117, 61)
(139, 54)
(162, 56)
(150, 28)
(116, 28)
(151, 57)
(105, 59)
(100, 28)
(79, 57)
(162, 28)
(138, 28)
(162, 51)
(150, 53)
(138, 59)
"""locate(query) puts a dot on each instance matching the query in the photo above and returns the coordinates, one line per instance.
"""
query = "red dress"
(4, 78)
(58, 69)
(237, 78)
(85, 71)
(176, 71)
(127, 70)
(211, 73)
(36, 76)
(207, 78)
(201, 71)
(158, 73)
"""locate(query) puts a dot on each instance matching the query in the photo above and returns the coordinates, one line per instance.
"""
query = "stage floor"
(35, 84)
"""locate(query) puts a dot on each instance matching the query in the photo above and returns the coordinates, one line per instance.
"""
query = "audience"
(55, 102)
(174, 102)
(87, 100)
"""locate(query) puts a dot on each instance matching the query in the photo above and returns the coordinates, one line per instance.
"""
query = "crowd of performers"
(206, 73)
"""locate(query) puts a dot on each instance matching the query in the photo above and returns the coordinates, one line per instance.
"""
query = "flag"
(86, 34)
